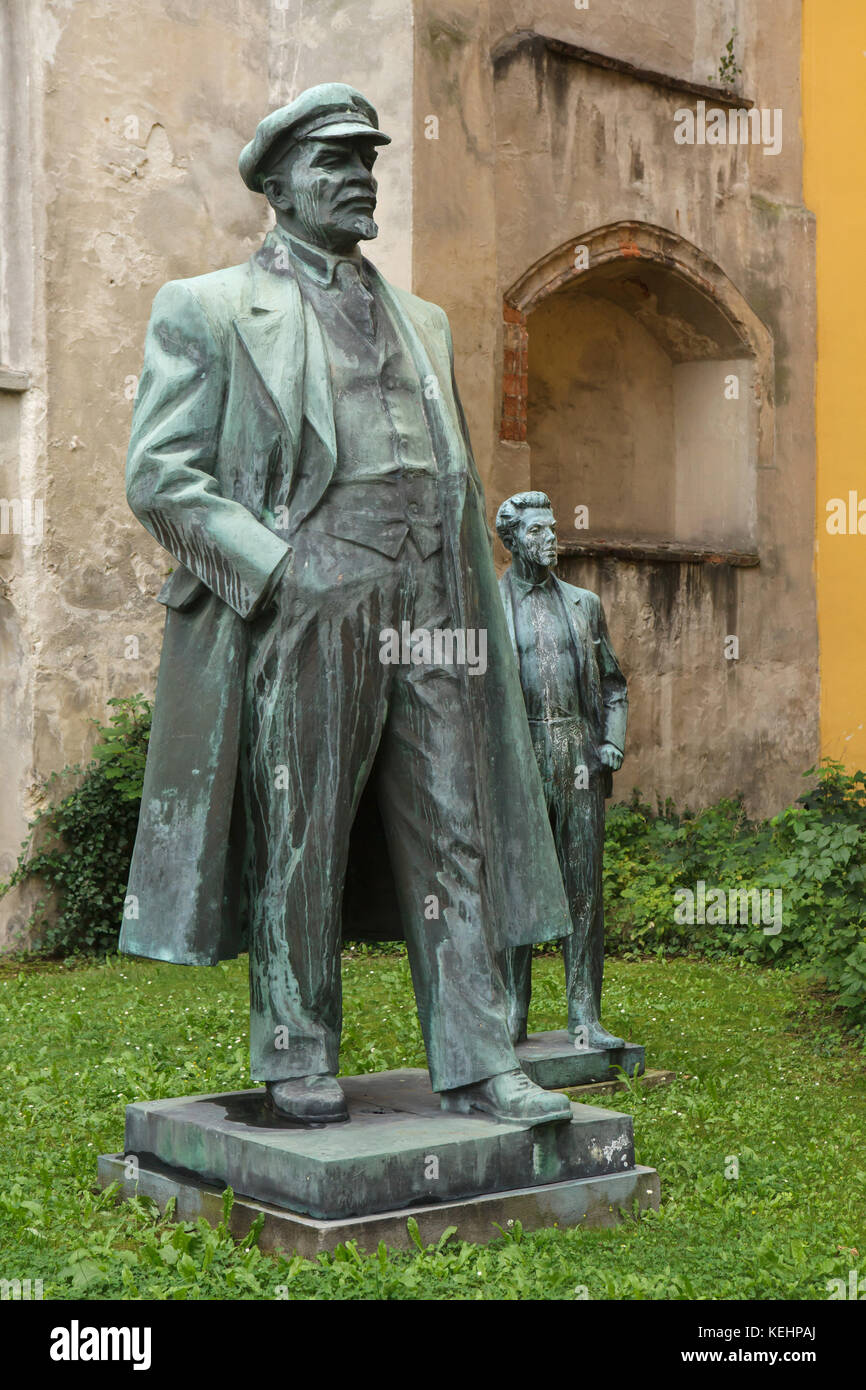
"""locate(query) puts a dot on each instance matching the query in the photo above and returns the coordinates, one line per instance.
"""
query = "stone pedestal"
(552, 1060)
(400, 1155)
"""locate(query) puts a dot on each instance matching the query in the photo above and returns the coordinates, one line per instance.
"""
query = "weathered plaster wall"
(135, 179)
(22, 413)
(683, 37)
(454, 245)
(367, 43)
(715, 452)
(601, 417)
(560, 148)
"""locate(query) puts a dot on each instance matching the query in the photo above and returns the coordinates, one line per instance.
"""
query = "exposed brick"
(513, 430)
(515, 375)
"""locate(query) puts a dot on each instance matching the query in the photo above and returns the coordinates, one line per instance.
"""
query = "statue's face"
(535, 537)
(327, 193)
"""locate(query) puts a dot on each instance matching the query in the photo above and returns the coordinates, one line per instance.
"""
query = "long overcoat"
(235, 386)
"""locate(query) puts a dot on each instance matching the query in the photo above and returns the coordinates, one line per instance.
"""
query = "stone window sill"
(11, 380)
(661, 552)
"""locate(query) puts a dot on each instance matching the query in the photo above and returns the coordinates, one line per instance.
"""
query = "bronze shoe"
(308, 1100)
(509, 1096)
(591, 1034)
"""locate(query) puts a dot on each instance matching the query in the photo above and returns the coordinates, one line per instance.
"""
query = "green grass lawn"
(754, 1081)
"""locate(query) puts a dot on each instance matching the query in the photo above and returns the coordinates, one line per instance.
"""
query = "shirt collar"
(320, 265)
(525, 586)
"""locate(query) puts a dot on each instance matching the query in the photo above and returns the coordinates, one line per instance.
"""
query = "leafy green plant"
(814, 852)
(80, 846)
(729, 70)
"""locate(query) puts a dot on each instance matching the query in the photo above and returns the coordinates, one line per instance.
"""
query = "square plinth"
(552, 1060)
(398, 1150)
(589, 1202)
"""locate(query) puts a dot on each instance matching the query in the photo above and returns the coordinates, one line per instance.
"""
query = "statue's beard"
(331, 229)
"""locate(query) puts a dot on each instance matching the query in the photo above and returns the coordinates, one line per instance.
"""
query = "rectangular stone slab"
(590, 1202)
(552, 1060)
(399, 1148)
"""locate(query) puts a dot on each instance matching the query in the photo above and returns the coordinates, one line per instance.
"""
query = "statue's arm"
(170, 483)
(613, 683)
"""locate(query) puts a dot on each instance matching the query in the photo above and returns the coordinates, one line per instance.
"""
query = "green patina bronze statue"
(299, 447)
(577, 706)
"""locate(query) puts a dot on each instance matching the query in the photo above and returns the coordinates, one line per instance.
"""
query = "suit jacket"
(234, 370)
(603, 689)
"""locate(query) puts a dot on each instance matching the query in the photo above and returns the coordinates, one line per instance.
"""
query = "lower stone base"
(399, 1149)
(399, 1155)
(552, 1060)
(590, 1202)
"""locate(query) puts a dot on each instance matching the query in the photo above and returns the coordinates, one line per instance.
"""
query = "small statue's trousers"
(323, 712)
(577, 821)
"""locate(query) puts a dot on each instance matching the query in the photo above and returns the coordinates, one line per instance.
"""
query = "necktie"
(356, 302)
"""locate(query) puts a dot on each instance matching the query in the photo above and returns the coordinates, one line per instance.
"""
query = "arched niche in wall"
(642, 381)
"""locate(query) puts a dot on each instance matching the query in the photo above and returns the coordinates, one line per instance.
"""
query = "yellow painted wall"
(834, 132)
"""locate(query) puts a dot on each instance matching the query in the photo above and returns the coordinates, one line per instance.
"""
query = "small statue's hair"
(508, 515)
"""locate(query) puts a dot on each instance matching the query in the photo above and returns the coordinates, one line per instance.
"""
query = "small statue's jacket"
(603, 692)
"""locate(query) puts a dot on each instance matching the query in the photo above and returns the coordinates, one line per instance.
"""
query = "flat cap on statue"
(330, 111)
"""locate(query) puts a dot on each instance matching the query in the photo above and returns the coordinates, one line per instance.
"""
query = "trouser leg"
(580, 846)
(554, 755)
(516, 966)
(427, 797)
(315, 705)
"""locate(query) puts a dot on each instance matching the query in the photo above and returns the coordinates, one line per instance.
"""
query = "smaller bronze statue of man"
(577, 706)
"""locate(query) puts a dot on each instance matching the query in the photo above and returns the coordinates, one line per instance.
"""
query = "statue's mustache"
(355, 191)
(309, 201)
